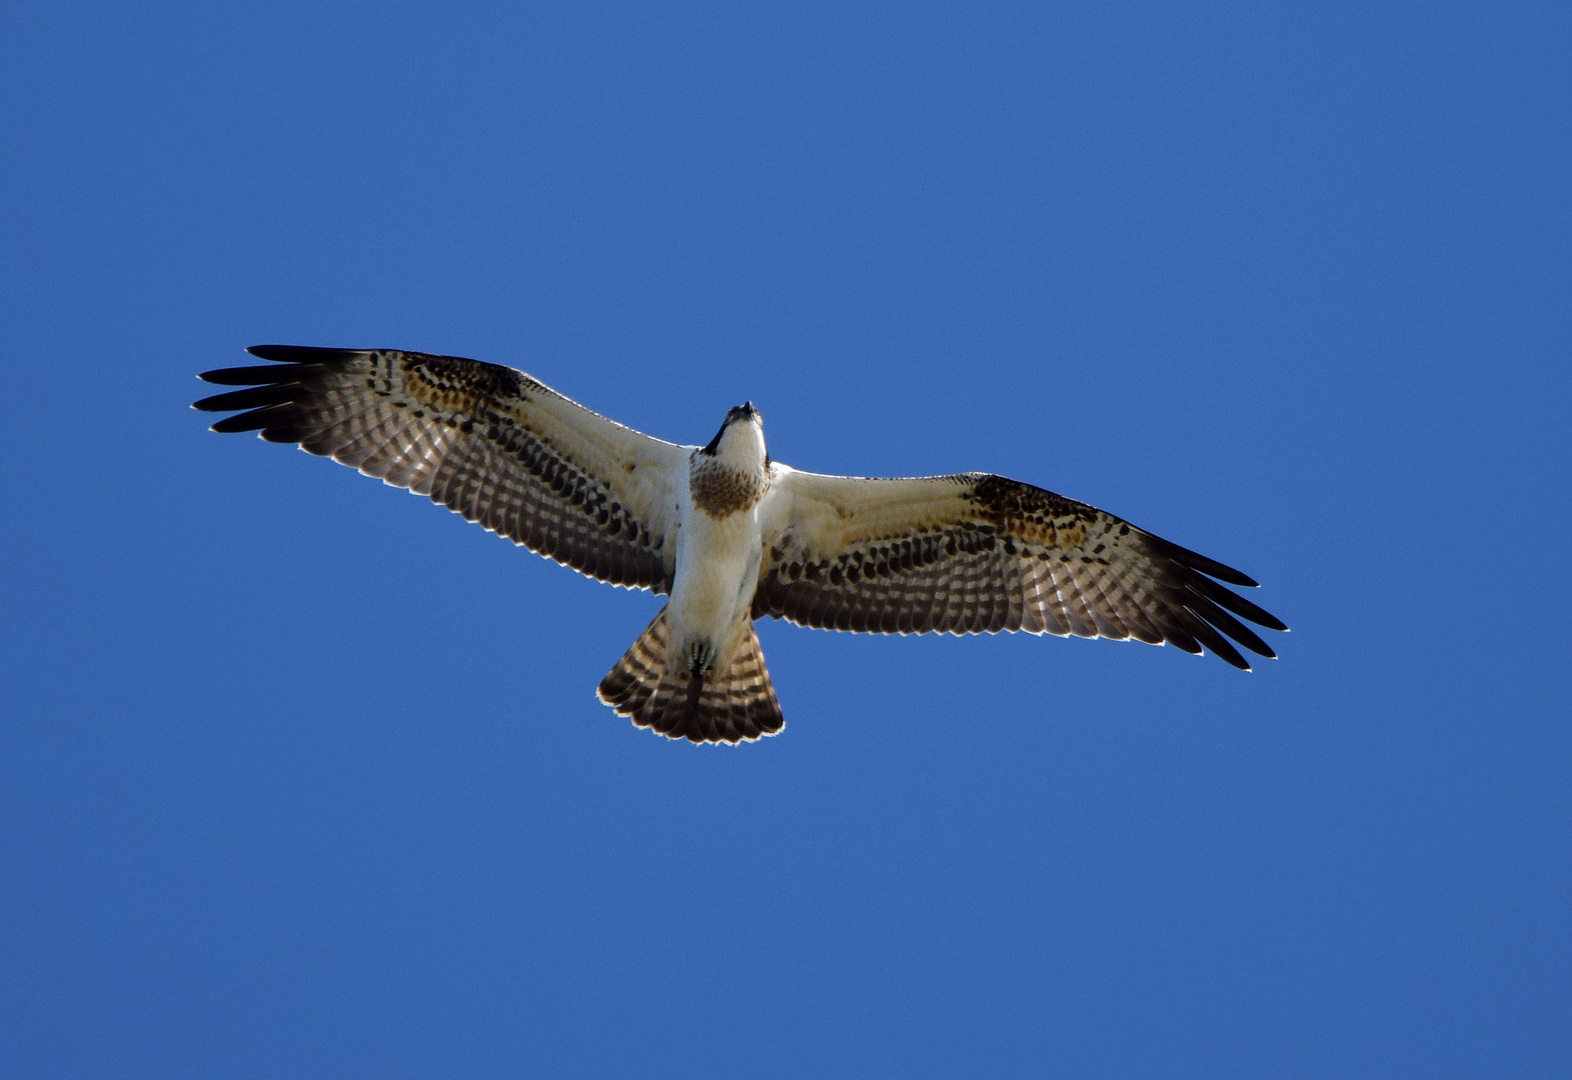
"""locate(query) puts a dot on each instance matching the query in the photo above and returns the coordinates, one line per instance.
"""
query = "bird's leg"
(695, 688)
(700, 656)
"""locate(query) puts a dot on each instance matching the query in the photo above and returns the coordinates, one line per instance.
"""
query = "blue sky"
(303, 776)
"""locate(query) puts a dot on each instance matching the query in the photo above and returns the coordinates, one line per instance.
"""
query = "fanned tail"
(731, 706)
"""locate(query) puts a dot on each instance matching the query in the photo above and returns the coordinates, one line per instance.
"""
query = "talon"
(700, 656)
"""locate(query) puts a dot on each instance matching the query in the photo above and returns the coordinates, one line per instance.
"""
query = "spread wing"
(976, 553)
(486, 441)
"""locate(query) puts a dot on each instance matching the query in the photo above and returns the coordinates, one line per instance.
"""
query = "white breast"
(717, 571)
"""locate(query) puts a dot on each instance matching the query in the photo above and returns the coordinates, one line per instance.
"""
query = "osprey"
(730, 535)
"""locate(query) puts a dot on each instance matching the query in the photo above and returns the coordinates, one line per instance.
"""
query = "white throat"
(742, 446)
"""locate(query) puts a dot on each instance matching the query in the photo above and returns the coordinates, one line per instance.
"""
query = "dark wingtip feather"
(1211, 567)
(234, 425)
(1220, 571)
(1224, 650)
(301, 354)
(1210, 603)
(255, 420)
(1229, 625)
(1230, 655)
(1176, 635)
(253, 376)
(1208, 635)
(1235, 603)
(255, 398)
(268, 388)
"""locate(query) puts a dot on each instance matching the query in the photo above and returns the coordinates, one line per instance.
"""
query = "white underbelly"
(717, 570)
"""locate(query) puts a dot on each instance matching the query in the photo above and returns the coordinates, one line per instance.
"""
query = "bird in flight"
(729, 535)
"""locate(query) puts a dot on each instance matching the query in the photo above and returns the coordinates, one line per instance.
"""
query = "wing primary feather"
(1230, 626)
(259, 375)
(255, 398)
(1196, 561)
(255, 420)
(304, 354)
(1235, 603)
(1207, 635)
(1175, 631)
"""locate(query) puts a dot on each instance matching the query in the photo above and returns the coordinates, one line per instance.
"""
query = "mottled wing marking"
(976, 553)
(486, 441)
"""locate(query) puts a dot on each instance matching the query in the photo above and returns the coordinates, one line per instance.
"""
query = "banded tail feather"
(737, 705)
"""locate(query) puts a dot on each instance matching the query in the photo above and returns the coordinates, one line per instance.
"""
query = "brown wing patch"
(449, 383)
(1032, 514)
(1003, 499)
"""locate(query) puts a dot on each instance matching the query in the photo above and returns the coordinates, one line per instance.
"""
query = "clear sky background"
(303, 776)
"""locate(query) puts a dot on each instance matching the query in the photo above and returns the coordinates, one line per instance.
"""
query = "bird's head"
(740, 440)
